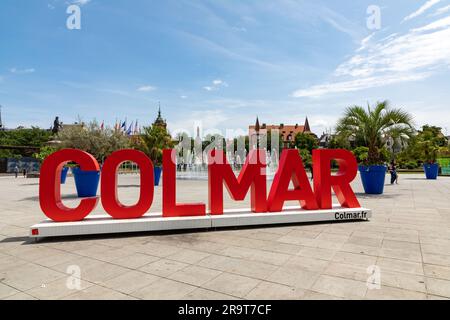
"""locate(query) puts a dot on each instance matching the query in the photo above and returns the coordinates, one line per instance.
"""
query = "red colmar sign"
(252, 178)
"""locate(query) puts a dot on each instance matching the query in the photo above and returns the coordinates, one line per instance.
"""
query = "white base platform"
(104, 224)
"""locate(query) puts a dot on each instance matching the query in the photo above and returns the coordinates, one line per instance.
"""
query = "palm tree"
(153, 141)
(371, 128)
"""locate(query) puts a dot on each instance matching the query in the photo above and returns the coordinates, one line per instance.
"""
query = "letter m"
(252, 176)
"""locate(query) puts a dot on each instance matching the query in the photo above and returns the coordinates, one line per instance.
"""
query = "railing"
(128, 167)
(445, 166)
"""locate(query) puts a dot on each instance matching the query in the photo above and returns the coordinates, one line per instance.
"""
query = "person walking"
(16, 171)
(24, 172)
(393, 172)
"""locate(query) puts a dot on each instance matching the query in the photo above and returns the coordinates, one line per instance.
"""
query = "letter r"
(324, 181)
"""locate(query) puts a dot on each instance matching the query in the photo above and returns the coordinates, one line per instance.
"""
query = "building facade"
(287, 133)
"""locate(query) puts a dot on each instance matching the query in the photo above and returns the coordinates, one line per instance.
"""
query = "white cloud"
(439, 24)
(427, 5)
(357, 84)
(441, 11)
(22, 71)
(146, 88)
(411, 56)
(207, 119)
(215, 85)
(365, 42)
(81, 2)
(183, 97)
(207, 44)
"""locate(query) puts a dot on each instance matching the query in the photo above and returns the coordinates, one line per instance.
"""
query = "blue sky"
(222, 62)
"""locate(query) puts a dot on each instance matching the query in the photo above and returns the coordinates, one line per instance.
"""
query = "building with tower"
(287, 132)
(160, 122)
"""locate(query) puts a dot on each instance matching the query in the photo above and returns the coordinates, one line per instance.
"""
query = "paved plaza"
(406, 243)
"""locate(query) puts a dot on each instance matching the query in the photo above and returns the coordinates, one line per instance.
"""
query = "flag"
(129, 129)
(116, 126)
(103, 125)
(124, 125)
(136, 127)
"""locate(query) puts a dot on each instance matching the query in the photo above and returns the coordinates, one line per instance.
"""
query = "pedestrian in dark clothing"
(24, 172)
(393, 172)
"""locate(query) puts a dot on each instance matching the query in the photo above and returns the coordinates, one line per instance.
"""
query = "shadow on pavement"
(187, 235)
(363, 195)
(25, 240)
(66, 197)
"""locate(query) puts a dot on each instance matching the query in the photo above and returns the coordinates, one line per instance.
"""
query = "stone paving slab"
(407, 240)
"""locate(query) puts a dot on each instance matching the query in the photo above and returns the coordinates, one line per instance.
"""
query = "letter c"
(50, 185)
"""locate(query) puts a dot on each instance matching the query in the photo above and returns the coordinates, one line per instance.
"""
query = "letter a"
(291, 169)
(74, 20)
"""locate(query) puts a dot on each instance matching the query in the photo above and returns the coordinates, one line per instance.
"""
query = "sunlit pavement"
(406, 245)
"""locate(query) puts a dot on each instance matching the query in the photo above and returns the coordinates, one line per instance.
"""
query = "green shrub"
(411, 165)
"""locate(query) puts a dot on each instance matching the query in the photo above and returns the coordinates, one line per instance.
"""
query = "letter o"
(109, 196)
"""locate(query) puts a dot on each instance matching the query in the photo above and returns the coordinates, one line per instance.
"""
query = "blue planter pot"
(86, 182)
(64, 174)
(157, 175)
(373, 178)
(431, 170)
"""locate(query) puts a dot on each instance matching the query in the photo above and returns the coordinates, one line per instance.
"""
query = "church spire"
(257, 127)
(160, 122)
(306, 127)
(1, 123)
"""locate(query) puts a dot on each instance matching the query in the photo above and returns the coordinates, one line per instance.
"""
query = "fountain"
(193, 166)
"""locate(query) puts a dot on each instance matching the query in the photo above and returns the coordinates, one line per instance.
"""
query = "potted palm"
(430, 141)
(152, 142)
(371, 128)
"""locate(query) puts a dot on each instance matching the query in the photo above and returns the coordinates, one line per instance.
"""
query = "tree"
(214, 141)
(153, 141)
(34, 137)
(44, 153)
(361, 154)
(371, 128)
(276, 145)
(339, 141)
(243, 140)
(306, 141)
(306, 157)
(98, 142)
(430, 142)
